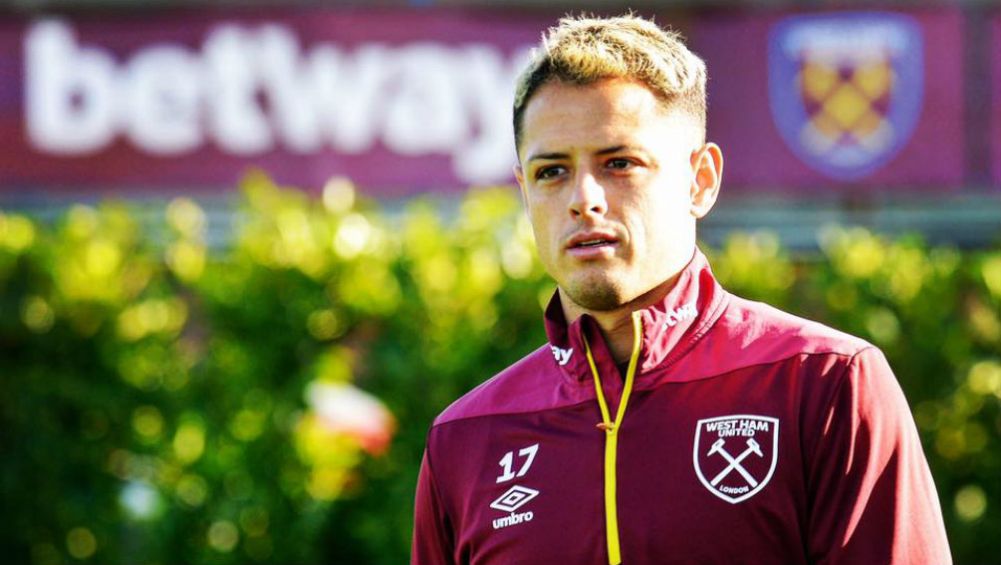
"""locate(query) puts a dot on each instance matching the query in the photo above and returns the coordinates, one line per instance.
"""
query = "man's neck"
(616, 325)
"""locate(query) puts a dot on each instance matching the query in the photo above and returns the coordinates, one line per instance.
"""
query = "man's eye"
(549, 172)
(619, 163)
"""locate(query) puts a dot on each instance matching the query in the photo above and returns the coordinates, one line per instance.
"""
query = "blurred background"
(250, 248)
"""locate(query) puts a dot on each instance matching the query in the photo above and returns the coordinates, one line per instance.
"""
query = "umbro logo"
(513, 499)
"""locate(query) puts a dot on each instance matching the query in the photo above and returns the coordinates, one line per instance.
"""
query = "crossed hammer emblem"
(752, 447)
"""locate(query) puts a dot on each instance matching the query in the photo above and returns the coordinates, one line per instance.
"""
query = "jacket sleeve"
(872, 499)
(432, 542)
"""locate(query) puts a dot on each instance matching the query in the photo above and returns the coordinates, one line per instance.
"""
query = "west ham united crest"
(735, 456)
(846, 89)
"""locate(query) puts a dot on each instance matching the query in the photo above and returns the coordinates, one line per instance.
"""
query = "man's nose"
(588, 196)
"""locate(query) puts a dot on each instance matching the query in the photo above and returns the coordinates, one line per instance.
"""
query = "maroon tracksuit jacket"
(747, 436)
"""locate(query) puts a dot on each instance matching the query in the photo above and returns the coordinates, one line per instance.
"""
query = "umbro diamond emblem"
(514, 498)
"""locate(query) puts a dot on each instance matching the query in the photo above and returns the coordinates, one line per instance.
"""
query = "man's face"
(611, 181)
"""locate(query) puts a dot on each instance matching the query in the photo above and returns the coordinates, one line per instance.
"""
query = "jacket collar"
(670, 327)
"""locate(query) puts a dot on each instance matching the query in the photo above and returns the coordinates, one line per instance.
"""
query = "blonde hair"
(583, 50)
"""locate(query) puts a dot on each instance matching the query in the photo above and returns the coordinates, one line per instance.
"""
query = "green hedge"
(156, 400)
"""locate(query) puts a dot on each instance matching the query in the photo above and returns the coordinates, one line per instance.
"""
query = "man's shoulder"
(764, 333)
(528, 385)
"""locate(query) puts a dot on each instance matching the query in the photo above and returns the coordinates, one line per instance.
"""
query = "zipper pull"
(606, 426)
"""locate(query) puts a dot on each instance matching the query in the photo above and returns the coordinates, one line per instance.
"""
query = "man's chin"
(596, 296)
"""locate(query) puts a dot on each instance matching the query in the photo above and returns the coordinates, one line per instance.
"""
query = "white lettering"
(680, 314)
(425, 113)
(69, 92)
(562, 355)
(741, 428)
(732, 490)
(164, 86)
(506, 462)
(331, 95)
(488, 84)
(513, 519)
(236, 121)
(250, 90)
(529, 453)
(347, 94)
(289, 91)
(755, 425)
(737, 432)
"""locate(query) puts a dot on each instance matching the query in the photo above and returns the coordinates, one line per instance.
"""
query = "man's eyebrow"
(609, 150)
(619, 148)
(606, 151)
(548, 156)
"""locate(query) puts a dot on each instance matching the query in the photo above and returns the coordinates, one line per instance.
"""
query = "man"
(667, 421)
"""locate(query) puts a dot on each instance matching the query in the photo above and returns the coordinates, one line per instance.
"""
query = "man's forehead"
(608, 95)
(595, 117)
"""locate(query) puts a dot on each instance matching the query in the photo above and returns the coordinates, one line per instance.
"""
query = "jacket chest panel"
(710, 470)
(707, 468)
(533, 484)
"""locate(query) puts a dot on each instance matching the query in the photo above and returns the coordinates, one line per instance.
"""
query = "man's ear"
(519, 174)
(707, 174)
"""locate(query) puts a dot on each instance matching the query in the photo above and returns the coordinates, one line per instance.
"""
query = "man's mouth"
(591, 245)
(594, 243)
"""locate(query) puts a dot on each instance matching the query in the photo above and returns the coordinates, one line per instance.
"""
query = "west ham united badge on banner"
(846, 89)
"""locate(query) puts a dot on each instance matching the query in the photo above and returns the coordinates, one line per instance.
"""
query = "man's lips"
(591, 244)
(591, 239)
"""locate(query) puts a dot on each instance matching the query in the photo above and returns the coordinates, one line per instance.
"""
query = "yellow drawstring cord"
(612, 436)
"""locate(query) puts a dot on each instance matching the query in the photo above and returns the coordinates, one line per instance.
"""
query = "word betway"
(253, 90)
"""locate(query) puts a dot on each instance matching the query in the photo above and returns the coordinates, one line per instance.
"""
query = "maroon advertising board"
(404, 101)
(399, 101)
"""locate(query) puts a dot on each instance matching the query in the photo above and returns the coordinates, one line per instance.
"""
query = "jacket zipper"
(612, 436)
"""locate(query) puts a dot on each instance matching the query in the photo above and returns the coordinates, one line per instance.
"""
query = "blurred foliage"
(161, 404)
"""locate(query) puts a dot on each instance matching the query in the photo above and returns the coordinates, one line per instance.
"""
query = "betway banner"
(403, 101)
(397, 101)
